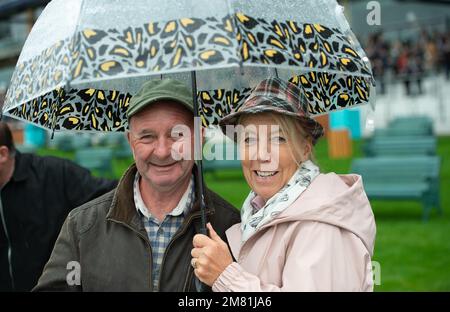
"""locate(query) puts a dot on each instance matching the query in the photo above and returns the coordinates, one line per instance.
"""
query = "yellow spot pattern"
(88, 33)
(74, 120)
(222, 40)
(207, 54)
(170, 27)
(107, 65)
(121, 51)
(186, 22)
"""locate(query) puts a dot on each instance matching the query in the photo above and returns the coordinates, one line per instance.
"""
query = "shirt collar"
(184, 205)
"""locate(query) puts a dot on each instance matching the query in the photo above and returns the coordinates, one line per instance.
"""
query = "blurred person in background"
(445, 54)
(431, 54)
(36, 194)
(378, 53)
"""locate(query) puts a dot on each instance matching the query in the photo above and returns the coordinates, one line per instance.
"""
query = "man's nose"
(163, 148)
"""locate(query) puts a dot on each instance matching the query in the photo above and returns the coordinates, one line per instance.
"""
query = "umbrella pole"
(198, 156)
(55, 113)
(199, 181)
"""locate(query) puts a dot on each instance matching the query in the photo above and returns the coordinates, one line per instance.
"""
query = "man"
(36, 195)
(139, 237)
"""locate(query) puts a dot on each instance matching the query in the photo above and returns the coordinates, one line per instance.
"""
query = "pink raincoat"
(322, 242)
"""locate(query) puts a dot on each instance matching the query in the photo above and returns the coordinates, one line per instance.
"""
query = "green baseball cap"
(156, 90)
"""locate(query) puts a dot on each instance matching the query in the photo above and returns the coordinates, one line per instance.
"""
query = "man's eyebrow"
(145, 131)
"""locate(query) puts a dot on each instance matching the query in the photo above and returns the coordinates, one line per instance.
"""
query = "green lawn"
(413, 255)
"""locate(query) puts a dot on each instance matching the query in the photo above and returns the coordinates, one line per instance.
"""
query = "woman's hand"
(210, 256)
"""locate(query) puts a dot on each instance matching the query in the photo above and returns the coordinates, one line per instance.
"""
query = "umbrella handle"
(203, 230)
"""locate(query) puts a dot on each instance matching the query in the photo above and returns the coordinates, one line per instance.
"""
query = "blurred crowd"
(409, 60)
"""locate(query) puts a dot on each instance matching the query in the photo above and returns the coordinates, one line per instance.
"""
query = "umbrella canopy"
(83, 60)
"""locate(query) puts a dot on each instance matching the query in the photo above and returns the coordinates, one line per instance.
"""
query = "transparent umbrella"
(84, 60)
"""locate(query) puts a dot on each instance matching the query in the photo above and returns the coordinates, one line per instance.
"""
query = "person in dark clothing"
(36, 195)
(139, 237)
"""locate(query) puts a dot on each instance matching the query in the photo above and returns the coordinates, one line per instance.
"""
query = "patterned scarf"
(300, 180)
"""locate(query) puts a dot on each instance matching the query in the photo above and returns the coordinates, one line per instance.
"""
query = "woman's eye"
(249, 140)
(278, 140)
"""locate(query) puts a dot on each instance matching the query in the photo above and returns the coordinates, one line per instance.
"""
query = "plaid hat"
(277, 96)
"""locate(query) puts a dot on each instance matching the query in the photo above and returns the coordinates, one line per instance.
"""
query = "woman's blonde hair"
(291, 128)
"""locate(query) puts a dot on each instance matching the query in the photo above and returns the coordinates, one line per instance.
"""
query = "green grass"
(413, 255)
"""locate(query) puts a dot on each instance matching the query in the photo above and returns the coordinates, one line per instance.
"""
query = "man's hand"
(210, 256)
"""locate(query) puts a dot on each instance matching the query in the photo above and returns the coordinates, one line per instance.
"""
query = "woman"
(301, 230)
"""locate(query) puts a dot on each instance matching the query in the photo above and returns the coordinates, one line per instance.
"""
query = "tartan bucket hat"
(277, 96)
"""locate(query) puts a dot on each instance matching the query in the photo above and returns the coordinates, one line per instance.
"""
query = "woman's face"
(267, 161)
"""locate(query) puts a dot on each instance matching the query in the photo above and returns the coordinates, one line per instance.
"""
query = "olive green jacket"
(103, 245)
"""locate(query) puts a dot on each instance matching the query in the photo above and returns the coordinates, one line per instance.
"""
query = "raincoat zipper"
(11, 275)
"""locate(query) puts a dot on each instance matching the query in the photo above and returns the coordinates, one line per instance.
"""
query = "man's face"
(157, 137)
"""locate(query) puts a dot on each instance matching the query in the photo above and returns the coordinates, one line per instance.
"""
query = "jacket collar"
(21, 167)
(123, 209)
